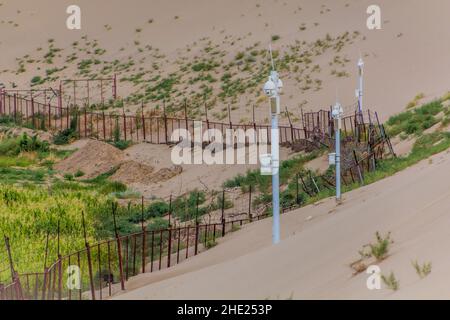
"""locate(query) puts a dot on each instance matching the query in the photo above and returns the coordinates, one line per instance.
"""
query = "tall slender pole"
(360, 90)
(337, 112)
(275, 164)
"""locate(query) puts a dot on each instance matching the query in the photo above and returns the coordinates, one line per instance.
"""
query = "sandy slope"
(409, 55)
(320, 241)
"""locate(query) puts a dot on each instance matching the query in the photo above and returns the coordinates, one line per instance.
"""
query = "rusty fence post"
(124, 127)
(165, 122)
(115, 87)
(143, 235)
(196, 237)
(143, 120)
(185, 114)
(250, 218)
(223, 212)
(169, 248)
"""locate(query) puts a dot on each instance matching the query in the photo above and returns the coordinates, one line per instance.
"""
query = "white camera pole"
(275, 164)
(360, 90)
(272, 89)
(337, 113)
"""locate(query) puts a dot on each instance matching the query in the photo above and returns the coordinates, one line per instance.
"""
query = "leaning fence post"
(119, 246)
(88, 253)
(11, 264)
(358, 168)
(297, 195)
(290, 124)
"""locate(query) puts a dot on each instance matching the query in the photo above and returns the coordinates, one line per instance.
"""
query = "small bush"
(28, 144)
(122, 144)
(210, 243)
(68, 177)
(78, 174)
(275, 37)
(64, 137)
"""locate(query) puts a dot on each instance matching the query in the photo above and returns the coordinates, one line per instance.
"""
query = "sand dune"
(319, 243)
(408, 56)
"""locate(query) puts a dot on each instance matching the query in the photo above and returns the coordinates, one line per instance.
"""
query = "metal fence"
(103, 268)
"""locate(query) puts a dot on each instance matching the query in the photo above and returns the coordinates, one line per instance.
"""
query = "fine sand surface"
(319, 242)
(409, 55)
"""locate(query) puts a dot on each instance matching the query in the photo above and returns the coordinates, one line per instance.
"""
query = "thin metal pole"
(338, 159)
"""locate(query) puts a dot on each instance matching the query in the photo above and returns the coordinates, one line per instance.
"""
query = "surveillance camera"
(280, 85)
(360, 63)
(269, 87)
(337, 110)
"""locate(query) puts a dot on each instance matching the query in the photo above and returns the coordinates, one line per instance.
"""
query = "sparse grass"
(415, 121)
(422, 270)
(391, 281)
(379, 249)
(235, 228)
(210, 243)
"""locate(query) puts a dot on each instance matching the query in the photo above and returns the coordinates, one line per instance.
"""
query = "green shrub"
(34, 144)
(68, 177)
(79, 173)
(122, 144)
(64, 136)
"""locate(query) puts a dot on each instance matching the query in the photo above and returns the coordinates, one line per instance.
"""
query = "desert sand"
(319, 242)
(409, 55)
